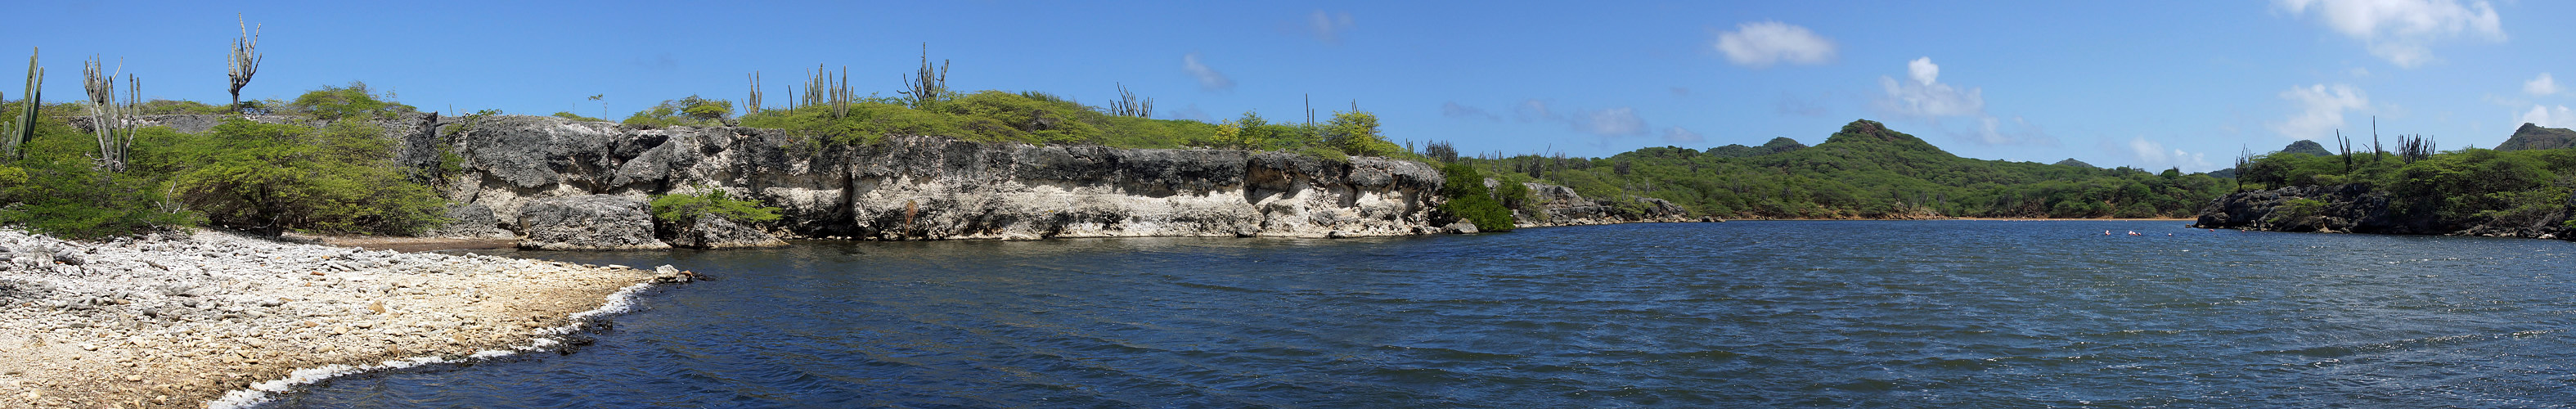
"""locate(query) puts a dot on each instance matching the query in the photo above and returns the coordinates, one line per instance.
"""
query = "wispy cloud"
(1209, 79)
(1190, 112)
(2402, 31)
(1534, 110)
(1791, 105)
(1328, 26)
(1995, 131)
(1764, 43)
(2320, 109)
(2152, 155)
(1453, 109)
(1679, 135)
(1613, 122)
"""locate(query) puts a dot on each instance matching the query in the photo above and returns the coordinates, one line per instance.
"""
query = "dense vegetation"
(335, 178)
(1864, 171)
(2456, 188)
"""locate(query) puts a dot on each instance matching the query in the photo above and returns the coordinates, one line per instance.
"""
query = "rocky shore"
(185, 320)
(2361, 209)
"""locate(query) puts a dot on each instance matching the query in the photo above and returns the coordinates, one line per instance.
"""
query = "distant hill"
(2076, 163)
(1776, 145)
(2532, 136)
(2307, 147)
(1866, 170)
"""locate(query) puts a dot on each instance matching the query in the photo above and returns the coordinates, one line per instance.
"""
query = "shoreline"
(222, 318)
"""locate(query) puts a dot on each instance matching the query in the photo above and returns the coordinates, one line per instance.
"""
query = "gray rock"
(1459, 228)
(717, 232)
(594, 222)
(70, 258)
(472, 220)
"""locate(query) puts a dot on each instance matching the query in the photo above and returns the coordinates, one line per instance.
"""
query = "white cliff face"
(910, 188)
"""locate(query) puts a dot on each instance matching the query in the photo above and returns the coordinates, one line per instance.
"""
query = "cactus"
(1127, 105)
(752, 105)
(112, 122)
(822, 89)
(24, 128)
(926, 86)
(244, 60)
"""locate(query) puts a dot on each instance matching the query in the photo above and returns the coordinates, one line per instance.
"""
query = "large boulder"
(717, 233)
(472, 220)
(594, 222)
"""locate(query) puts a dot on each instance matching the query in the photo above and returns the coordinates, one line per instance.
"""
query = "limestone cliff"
(929, 188)
(910, 188)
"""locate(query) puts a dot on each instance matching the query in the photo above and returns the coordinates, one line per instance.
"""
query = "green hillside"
(2531, 137)
(1868, 171)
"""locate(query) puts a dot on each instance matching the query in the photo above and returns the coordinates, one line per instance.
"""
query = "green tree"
(274, 178)
(1355, 133)
(686, 209)
(1470, 201)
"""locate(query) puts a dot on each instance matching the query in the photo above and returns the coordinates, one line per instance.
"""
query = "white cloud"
(2151, 155)
(2320, 109)
(1328, 27)
(1761, 44)
(1926, 97)
(2552, 117)
(1621, 121)
(1679, 135)
(2400, 30)
(2541, 86)
(1209, 79)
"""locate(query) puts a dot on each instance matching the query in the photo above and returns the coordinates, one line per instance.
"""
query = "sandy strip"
(182, 321)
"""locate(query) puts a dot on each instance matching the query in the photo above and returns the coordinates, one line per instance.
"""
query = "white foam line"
(618, 302)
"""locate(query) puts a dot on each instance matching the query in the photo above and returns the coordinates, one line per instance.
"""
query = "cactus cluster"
(752, 105)
(24, 128)
(927, 86)
(822, 89)
(112, 122)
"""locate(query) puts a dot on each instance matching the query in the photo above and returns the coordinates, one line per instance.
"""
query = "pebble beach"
(219, 319)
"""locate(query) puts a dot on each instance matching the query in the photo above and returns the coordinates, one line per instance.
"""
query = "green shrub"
(577, 117)
(1470, 201)
(1355, 133)
(352, 102)
(686, 209)
(271, 177)
(57, 190)
(690, 111)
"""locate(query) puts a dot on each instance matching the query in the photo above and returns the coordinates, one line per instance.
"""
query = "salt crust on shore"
(200, 320)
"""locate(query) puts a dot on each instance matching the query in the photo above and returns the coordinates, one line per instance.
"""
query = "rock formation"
(2359, 209)
(592, 222)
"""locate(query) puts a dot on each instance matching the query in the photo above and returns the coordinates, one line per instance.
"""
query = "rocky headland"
(2356, 208)
(549, 181)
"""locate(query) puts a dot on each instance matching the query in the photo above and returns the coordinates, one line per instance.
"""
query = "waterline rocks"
(589, 222)
(717, 233)
(2356, 208)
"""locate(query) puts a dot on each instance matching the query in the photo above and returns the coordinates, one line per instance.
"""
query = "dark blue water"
(1763, 314)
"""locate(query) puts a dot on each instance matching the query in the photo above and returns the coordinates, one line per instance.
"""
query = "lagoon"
(1767, 314)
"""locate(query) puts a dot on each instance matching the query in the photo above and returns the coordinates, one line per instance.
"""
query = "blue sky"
(2152, 84)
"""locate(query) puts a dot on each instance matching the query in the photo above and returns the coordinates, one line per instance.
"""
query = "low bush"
(686, 209)
(1470, 201)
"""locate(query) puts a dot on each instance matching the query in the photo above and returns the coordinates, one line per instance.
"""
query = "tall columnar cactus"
(24, 128)
(926, 86)
(822, 89)
(752, 105)
(112, 122)
(244, 60)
